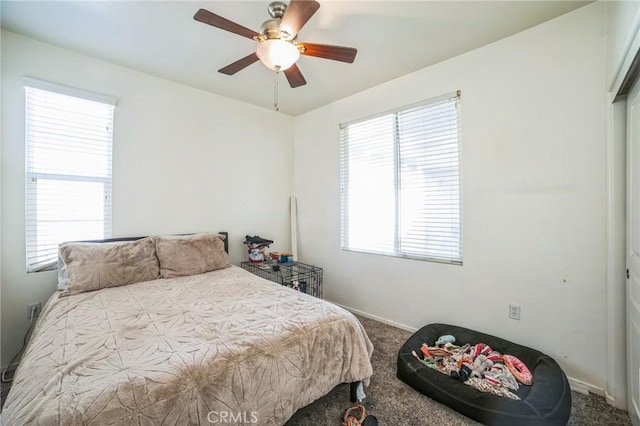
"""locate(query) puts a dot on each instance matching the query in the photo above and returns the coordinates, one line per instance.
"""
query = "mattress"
(222, 345)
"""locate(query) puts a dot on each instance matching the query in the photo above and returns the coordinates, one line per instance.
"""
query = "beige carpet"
(395, 403)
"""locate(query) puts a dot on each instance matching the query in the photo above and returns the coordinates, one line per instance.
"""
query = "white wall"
(534, 195)
(184, 160)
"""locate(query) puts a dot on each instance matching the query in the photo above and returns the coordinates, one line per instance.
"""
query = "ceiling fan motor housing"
(271, 27)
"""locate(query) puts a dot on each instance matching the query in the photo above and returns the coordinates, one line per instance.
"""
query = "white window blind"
(400, 182)
(68, 170)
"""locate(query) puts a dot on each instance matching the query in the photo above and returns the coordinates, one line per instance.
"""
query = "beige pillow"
(190, 254)
(92, 266)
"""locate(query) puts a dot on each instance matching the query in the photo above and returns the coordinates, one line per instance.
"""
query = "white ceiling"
(393, 38)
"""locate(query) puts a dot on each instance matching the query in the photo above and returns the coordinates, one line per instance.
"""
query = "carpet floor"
(395, 403)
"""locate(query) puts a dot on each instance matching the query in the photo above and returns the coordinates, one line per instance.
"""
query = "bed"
(222, 346)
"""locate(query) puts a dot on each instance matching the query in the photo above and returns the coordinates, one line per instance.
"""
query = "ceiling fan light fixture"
(277, 54)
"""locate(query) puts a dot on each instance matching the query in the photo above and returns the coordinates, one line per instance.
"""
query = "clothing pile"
(476, 365)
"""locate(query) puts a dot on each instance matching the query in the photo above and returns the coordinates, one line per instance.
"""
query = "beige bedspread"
(222, 347)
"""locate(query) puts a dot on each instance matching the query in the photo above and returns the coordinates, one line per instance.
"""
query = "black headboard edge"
(115, 240)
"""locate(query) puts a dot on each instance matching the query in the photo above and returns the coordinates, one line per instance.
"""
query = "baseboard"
(377, 318)
(578, 386)
(586, 388)
(619, 403)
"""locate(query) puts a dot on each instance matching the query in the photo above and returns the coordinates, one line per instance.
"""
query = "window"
(68, 170)
(400, 182)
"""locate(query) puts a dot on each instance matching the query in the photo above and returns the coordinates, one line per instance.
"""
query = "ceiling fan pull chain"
(275, 92)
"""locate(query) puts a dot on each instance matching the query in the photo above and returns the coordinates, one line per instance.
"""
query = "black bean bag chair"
(546, 402)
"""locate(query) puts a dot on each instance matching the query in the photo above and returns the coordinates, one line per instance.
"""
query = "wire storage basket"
(297, 275)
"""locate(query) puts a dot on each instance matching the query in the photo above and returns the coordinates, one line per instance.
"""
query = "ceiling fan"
(278, 48)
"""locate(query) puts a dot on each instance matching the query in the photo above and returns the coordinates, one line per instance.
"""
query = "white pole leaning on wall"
(294, 227)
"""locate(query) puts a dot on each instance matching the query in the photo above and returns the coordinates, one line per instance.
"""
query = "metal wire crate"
(297, 275)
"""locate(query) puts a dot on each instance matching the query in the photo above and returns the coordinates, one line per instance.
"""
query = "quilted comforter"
(220, 347)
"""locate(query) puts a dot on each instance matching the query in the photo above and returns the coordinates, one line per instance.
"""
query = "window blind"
(68, 171)
(400, 182)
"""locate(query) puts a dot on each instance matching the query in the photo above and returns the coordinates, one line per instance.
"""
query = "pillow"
(190, 254)
(92, 266)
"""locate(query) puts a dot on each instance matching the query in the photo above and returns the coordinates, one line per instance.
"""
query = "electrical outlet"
(514, 312)
(33, 305)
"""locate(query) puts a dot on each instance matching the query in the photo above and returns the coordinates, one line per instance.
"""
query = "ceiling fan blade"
(294, 76)
(240, 64)
(326, 51)
(217, 21)
(297, 14)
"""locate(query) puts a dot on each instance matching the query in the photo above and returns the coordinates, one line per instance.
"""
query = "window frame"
(32, 177)
(344, 179)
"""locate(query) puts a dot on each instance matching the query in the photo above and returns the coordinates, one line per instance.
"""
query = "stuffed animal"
(480, 365)
(447, 338)
(256, 246)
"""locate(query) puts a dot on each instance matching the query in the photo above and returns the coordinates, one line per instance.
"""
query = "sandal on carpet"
(354, 416)
(370, 420)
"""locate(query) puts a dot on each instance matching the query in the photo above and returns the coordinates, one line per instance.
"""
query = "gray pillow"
(190, 254)
(92, 266)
